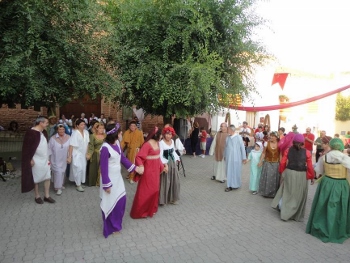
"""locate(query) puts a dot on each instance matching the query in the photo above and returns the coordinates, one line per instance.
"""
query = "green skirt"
(293, 193)
(329, 218)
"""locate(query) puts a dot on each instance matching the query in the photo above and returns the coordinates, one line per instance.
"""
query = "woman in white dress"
(77, 154)
(59, 145)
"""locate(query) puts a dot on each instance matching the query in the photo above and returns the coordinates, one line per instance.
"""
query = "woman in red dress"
(147, 194)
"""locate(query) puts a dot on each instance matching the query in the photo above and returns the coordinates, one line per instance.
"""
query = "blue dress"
(234, 156)
(255, 170)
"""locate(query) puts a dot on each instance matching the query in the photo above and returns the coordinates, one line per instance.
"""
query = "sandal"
(228, 189)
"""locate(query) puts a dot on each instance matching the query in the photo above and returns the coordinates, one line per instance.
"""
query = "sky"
(311, 35)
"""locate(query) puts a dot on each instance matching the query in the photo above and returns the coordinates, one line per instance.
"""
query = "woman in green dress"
(96, 140)
(329, 218)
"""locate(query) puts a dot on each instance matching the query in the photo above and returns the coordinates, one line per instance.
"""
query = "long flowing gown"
(113, 203)
(270, 177)
(59, 152)
(147, 193)
(31, 141)
(234, 155)
(296, 168)
(78, 165)
(94, 151)
(329, 218)
(217, 149)
(169, 182)
(41, 168)
(255, 170)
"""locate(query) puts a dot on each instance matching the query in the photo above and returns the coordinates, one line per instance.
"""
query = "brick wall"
(113, 111)
(24, 117)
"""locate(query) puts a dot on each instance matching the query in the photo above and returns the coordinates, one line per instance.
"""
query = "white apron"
(41, 168)
(108, 201)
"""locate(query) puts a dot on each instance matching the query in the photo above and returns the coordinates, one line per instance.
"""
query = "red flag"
(280, 78)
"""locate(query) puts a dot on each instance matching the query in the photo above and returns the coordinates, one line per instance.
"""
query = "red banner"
(280, 78)
(290, 104)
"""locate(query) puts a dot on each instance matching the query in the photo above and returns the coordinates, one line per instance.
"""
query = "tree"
(52, 51)
(176, 57)
(342, 110)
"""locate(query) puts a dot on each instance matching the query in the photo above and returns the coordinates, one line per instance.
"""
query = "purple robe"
(115, 202)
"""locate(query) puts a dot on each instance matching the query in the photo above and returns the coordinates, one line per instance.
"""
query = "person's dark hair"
(13, 123)
(282, 129)
(78, 121)
(74, 119)
(297, 145)
(111, 138)
(92, 122)
(132, 122)
(201, 128)
(265, 133)
(154, 134)
(157, 135)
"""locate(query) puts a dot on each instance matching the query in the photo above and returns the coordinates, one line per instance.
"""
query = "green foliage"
(176, 57)
(342, 110)
(53, 51)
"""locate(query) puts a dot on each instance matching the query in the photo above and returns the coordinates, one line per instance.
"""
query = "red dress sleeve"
(283, 162)
(309, 167)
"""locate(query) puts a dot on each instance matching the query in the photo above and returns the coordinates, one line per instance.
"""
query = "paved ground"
(208, 225)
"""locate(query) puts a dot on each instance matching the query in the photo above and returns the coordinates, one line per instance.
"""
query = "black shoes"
(39, 200)
(228, 189)
(212, 178)
(49, 200)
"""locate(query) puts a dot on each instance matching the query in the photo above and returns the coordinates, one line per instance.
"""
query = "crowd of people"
(280, 168)
(55, 150)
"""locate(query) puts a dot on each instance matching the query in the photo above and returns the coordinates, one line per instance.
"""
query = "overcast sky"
(310, 35)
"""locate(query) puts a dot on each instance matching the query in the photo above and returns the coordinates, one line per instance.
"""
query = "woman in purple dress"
(112, 188)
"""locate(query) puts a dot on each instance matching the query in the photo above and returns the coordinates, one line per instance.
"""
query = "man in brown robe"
(217, 149)
(132, 142)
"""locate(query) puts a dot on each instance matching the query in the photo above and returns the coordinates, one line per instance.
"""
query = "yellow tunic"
(132, 141)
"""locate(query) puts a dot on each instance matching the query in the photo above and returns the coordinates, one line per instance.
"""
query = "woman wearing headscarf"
(269, 160)
(329, 218)
(147, 194)
(296, 169)
(112, 188)
(169, 181)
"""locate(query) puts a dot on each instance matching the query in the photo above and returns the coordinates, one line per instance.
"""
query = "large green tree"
(52, 51)
(177, 56)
